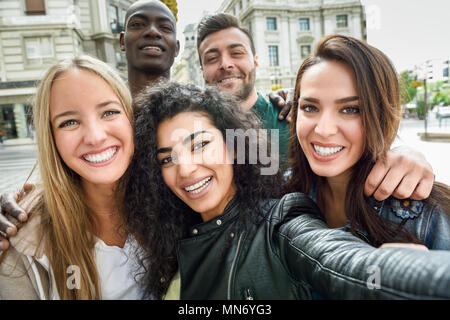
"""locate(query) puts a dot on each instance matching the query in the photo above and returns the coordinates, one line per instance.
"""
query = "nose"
(185, 165)
(152, 31)
(327, 124)
(226, 62)
(94, 134)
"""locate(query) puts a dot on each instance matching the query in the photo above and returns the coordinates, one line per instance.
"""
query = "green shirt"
(269, 117)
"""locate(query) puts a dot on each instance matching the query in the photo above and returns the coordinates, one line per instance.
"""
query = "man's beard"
(247, 86)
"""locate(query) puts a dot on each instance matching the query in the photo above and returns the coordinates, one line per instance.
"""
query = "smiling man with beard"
(149, 42)
(228, 61)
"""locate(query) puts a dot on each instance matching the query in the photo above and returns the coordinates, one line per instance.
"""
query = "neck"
(102, 201)
(138, 80)
(333, 196)
(248, 103)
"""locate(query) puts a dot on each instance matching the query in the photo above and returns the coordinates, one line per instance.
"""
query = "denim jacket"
(431, 224)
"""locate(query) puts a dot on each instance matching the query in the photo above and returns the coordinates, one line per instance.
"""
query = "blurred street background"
(413, 33)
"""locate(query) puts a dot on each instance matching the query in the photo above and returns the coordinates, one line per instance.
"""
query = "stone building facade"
(285, 32)
(36, 33)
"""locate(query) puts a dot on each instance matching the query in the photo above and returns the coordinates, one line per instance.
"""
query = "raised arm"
(340, 266)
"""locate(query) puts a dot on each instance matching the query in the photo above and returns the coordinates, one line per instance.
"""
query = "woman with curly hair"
(197, 202)
(347, 113)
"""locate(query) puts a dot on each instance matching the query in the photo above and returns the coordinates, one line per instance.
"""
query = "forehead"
(150, 10)
(328, 77)
(175, 129)
(224, 38)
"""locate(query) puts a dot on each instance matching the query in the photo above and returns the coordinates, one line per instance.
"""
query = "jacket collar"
(229, 214)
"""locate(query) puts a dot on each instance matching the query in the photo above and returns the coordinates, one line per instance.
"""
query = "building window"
(341, 21)
(273, 56)
(35, 7)
(240, 5)
(116, 26)
(305, 50)
(271, 23)
(304, 24)
(38, 48)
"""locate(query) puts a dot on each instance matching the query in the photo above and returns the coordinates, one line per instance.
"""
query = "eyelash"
(310, 108)
(71, 122)
(355, 110)
(67, 123)
(200, 145)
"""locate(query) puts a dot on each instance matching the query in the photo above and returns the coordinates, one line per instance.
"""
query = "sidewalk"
(17, 142)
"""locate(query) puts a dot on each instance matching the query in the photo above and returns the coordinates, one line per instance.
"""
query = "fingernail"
(22, 217)
(9, 230)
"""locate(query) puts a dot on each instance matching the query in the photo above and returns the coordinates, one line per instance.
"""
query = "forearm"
(340, 266)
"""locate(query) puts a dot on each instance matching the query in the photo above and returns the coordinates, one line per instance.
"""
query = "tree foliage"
(172, 4)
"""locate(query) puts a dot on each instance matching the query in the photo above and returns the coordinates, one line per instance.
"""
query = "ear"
(255, 61)
(178, 48)
(122, 41)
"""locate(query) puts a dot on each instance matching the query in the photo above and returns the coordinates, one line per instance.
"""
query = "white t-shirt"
(118, 271)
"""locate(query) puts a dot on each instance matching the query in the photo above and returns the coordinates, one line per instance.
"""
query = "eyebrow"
(343, 100)
(231, 46)
(184, 142)
(72, 112)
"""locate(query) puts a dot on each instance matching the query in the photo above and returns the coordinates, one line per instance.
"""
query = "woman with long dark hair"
(347, 113)
(197, 201)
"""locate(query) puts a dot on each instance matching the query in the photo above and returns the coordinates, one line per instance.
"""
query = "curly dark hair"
(155, 216)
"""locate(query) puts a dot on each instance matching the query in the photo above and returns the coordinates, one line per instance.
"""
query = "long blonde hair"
(66, 221)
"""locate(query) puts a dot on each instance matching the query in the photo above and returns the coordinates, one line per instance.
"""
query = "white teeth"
(101, 157)
(322, 151)
(151, 47)
(227, 80)
(199, 186)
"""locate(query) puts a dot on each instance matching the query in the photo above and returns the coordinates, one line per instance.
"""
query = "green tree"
(409, 91)
(172, 4)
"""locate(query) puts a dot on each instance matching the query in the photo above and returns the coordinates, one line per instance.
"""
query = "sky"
(409, 32)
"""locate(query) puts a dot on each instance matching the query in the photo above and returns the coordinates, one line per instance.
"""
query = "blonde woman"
(74, 245)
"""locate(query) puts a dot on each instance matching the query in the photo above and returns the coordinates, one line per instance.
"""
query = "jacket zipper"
(232, 267)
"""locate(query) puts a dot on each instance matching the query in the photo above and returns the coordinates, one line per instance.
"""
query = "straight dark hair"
(217, 22)
(379, 98)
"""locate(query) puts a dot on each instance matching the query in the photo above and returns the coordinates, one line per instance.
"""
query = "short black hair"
(217, 22)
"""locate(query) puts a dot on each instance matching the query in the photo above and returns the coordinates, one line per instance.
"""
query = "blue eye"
(110, 113)
(68, 123)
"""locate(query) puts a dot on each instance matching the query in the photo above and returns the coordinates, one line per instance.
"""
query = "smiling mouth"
(199, 186)
(228, 80)
(101, 157)
(152, 48)
(326, 151)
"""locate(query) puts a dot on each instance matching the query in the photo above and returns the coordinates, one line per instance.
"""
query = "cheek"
(356, 133)
(169, 177)
(304, 127)
(65, 145)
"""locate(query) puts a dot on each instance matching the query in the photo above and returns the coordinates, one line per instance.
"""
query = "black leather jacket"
(291, 254)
